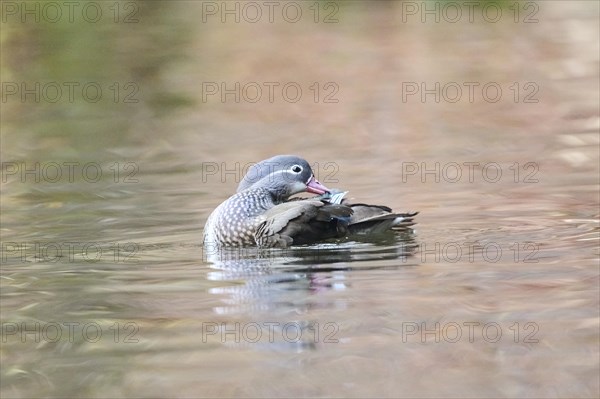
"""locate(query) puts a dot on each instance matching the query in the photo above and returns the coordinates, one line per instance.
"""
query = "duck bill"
(313, 186)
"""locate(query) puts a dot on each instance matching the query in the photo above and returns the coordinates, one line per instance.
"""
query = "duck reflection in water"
(278, 286)
(270, 250)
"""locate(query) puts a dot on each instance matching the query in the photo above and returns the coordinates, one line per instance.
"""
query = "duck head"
(283, 176)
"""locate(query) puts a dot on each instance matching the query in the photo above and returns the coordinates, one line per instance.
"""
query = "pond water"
(107, 291)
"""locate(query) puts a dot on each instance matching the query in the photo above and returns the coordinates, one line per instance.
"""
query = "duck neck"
(278, 197)
(275, 193)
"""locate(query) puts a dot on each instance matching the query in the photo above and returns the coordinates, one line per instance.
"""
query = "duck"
(262, 213)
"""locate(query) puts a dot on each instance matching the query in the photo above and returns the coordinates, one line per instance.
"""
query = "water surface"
(495, 292)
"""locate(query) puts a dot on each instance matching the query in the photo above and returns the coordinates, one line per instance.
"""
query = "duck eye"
(296, 168)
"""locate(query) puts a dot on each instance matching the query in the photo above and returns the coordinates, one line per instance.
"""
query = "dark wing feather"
(302, 222)
(373, 219)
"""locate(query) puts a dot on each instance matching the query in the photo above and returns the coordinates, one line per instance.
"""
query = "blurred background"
(124, 124)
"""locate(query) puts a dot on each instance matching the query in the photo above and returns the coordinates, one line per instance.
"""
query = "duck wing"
(371, 219)
(375, 219)
(302, 222)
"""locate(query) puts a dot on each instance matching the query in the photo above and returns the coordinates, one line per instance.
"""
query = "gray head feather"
(282, 175)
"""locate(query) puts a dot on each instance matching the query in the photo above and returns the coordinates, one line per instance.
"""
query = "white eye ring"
(296, 169)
